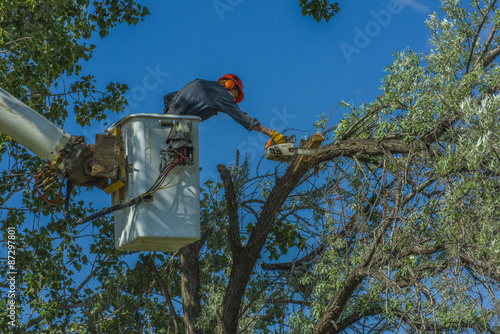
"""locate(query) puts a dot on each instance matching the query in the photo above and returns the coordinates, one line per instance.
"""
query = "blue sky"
(293, 68)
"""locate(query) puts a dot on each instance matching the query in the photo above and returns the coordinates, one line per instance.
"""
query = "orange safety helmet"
(233, 80)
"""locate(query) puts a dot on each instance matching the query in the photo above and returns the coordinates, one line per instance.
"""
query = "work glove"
(277, 137)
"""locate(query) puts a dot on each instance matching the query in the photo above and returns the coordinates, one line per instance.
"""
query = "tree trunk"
(190, 286)
(238, 280)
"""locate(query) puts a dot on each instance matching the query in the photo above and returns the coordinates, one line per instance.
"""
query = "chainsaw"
(287, 151)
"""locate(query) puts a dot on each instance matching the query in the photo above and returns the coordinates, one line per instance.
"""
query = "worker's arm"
(225, 103)
(262, 129)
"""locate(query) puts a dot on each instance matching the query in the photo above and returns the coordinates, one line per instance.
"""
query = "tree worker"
(207, 98)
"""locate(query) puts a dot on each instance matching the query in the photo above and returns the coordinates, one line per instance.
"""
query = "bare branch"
(486, 46)
(355, 317)
(486, 268)
(10, 194)
(166, 294)
(480, 27)
(327, 322)
(297, 263)
(233, 230)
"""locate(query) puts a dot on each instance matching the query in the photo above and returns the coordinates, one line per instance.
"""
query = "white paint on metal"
(172, 219)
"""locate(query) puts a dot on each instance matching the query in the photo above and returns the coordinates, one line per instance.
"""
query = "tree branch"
(480, 27)
(35, 321)
(233, 230)
(488, 270)
(486, 46)
(166, 294)
(286, 301)
(355, 317)
(421, 250)
(353, 147)
(426, 326)
(297, 263)
(327, 322)
(10, 194)
(490, 56)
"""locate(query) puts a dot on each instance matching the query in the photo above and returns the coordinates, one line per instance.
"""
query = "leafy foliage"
(42, 46)
(43, 42)
(319, 9)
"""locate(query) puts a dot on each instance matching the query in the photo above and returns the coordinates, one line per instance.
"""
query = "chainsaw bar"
(305, 151)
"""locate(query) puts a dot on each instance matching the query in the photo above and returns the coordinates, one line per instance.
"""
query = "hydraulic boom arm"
(69, 155)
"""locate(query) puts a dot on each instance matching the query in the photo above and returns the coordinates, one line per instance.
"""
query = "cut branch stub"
(314, 142)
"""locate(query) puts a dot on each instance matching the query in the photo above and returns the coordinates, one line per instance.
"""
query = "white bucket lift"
(172, 219)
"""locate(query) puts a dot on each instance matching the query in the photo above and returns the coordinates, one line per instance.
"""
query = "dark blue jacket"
(205, 99)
